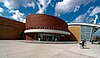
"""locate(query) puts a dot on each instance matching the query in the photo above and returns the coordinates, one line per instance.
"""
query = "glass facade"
(97, 33)
(86, 32)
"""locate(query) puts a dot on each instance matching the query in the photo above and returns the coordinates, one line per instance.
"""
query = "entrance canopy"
(46, 31)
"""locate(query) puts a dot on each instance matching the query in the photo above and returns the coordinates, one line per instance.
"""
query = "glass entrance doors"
(47, 37)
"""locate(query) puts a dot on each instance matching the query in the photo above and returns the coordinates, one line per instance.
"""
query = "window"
(62, 29)
(31, 27)
(56, 28)
(34, 27)
(86, 32)
(38, 27)
(51, 27)
(47, 27)
(42, 27)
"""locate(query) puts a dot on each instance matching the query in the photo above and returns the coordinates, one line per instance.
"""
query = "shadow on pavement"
(50, 42)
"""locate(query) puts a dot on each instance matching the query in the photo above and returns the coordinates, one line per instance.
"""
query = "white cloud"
(80, 18)
(89, 20)
(66, 21)
(99, 23)
(42, 4)
(57, 14)
(67, 6)
(85, 17)
(76, 8)
(0, 14)
(24, 21)
(96, 10)
(1, 10)
(13, 4)
(27, 3)
(17, 15)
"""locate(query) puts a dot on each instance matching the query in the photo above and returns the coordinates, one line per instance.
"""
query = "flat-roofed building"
(85, 30)
(11, 29)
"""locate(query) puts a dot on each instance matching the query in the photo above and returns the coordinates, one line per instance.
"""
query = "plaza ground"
(36, 49)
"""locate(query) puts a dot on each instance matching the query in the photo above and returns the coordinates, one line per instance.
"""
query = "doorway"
(47, 37)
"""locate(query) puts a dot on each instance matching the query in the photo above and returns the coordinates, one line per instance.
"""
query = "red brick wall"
(30, 36)
(10, 29)
(42, 20)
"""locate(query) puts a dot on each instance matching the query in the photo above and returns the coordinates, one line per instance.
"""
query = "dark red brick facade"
(43, 21)
(10, 29)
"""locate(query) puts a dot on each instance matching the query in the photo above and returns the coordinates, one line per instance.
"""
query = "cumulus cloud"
(76, 8)
(80, 18)
(17, 15)
(99, 23)
(85, 17)
(13, 4)
(90, 16)
(10, 4)
(66, 21)
(57, 14)
(1, 10)
(96, 10)
(24, 20)
(0, 14)
(67, 6)
(27, 3)
(42, 4)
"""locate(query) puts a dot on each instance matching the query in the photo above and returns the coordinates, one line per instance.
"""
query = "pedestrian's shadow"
(86, 48)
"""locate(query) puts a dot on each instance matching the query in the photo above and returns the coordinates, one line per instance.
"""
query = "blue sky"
(84, 11)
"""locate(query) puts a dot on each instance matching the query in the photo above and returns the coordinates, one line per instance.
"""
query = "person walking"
(83, 43)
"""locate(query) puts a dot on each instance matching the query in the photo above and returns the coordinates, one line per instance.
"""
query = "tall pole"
(96, 17)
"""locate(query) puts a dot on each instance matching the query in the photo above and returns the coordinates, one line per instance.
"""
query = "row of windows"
(46, 28)
(86, 32)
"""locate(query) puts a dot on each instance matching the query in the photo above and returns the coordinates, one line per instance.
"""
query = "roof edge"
(84, 24)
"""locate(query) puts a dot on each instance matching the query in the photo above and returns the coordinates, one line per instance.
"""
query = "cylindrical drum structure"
(44, 27)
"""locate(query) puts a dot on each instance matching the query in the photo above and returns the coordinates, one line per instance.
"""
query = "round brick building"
(44, 27)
